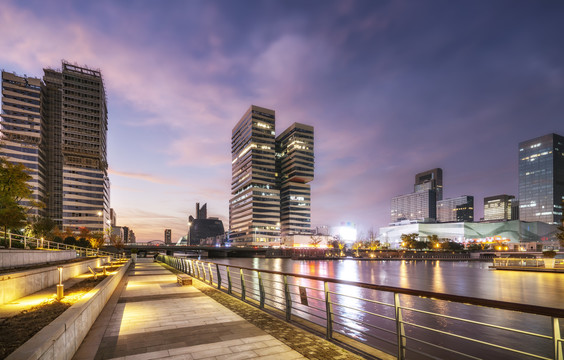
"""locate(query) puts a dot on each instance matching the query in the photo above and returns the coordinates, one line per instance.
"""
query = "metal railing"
(525, 262)
(42, 244)
(391, 322)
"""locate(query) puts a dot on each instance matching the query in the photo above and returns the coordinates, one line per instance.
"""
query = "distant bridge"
(212, 251)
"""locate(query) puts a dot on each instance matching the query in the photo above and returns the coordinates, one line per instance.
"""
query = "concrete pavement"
(151, 317)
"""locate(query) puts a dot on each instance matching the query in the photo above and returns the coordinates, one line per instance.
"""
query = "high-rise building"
(419, 205)
(541, 179)
(254, 208)
(295, 162)
(270, 176)
(456, 209)
(422, 203)
(498, 208)
(22, 132)
(430, 180)
(168, 236)
(58, 128)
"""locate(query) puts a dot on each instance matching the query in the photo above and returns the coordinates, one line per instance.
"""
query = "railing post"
(198, 269)
(190, 267)
(204, 272)
(557, 338)
(9, 240)
(228, 280)
(25, 241)
(328, 311)
(399, 328)
(218, 277)
(288, 299)
(261, 290)
(242, 284)
(211, 275)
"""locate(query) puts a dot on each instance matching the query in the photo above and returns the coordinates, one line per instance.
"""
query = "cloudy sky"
(392, 88)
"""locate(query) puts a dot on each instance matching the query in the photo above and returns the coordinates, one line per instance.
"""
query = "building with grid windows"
(295, 162)
(22, 132)
(456, 209)
(541, 179)
(422, 203)
(60, 123)
(498, 208)
(270, 193)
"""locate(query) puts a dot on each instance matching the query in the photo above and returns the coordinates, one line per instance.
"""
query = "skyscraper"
(422, 203)
(430, 180)
(269, 187)
(22, 133)
(254, 208)
(295, 161)
(62, 122)
(541, 179)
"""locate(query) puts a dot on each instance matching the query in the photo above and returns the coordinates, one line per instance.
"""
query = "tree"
(356, 246)
(41, 227)
(409, 241)
(96, 239)
(434, 242)
(315, 240)
(13, 190)
(115, 239)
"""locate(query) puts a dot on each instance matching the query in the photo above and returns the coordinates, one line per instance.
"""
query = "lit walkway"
(151, 317)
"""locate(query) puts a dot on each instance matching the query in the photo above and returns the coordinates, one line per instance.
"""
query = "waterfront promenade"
(151, 317)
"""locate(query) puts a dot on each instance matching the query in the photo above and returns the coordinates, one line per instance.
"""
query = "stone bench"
(183, 279)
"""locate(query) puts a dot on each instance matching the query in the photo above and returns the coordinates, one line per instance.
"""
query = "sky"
(392, 88)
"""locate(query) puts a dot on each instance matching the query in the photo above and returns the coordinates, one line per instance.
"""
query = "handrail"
(504, 305)
(53, 245)
(394, 324)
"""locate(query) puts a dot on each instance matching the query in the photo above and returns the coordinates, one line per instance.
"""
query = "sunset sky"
(392, 88)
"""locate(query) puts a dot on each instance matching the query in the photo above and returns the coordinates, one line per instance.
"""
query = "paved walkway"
(152, 317)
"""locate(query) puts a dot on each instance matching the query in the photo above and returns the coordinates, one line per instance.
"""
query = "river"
(465, 278)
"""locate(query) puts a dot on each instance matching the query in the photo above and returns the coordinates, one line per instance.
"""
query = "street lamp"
(60, 286)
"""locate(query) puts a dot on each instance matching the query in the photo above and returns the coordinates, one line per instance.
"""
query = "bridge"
(212, 251)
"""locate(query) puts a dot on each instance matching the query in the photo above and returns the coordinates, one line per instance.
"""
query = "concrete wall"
(18, 284)
(62, 338)
(15, 258)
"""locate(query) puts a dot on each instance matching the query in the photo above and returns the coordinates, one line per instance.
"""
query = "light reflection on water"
(472, 279)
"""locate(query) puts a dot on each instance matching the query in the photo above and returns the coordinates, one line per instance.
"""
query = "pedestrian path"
(151, 317)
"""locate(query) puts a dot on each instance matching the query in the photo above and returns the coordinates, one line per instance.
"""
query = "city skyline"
(392, 89)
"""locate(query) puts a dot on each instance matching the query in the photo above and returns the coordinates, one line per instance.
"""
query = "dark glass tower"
(541, 179)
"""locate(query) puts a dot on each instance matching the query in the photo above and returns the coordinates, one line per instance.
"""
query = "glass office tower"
(541, 179)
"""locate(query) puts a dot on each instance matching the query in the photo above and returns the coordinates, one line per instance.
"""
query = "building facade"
(541, 179)
(456, 209)
(269, 180)
(295, 163)
(498, 208)
(514, 232)
(23, 133)
(422, 203)
(62, 131)
(430, 180)
(254, 208)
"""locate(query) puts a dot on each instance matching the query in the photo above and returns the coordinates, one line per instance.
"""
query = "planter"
(549, 263)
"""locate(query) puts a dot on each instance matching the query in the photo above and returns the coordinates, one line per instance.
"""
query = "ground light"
(60, 286)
